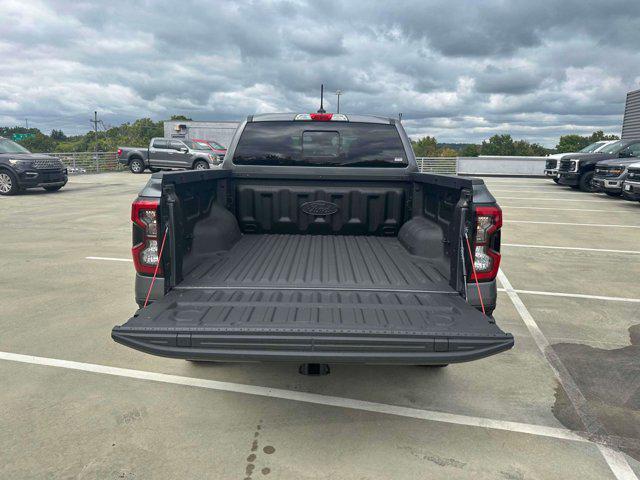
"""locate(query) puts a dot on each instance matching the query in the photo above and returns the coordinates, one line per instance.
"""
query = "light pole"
(338, 93)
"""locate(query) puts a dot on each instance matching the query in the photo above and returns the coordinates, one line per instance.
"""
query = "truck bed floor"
(318, 262)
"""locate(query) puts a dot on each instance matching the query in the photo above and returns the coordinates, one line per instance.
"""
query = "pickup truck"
(318, 241)
(578, 170)
(631, 184)
(166, 153)
(553, 161)
(610, 174)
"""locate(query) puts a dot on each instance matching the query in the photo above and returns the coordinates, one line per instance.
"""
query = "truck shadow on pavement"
(610, 382)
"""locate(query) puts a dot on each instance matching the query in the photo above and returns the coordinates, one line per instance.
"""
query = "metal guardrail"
(89, 162)
(483, 165)
(442, 165)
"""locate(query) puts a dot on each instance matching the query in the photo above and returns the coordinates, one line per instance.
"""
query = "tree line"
(504, 144)
(141, 131)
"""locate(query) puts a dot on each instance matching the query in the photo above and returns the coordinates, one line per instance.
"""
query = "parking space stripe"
(616, 460)
(110, 259)
(630, 210)
(581, 249)
(304, 397)
(555, 199)
(538, 190)
(575, 224)
(575, 295)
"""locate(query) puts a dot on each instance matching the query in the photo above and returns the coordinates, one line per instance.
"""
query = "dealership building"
(631, 121)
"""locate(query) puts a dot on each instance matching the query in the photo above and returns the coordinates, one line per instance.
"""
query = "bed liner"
(311, 298)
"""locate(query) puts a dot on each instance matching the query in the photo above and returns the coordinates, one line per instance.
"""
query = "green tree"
(181, 117)
(600, 135)
(470, 151)
(498, 145)
(39, 143)
(574, 143)
(447, 152)
(58, 135)
(425, 147)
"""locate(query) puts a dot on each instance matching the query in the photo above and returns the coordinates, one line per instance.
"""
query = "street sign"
(16, 137)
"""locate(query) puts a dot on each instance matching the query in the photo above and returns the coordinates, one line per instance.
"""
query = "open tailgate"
(313, 325)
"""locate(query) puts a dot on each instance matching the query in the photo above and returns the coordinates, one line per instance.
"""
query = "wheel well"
(6, 168)
(135, 157)
(198, 160)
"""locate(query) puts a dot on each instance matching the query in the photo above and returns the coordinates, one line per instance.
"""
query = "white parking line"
(616, 460)
(581, 249)
(538, 190)
(110, 259)
(575, 295)
(570, 209)
(297, 396)
(574, 224)
(555, 199)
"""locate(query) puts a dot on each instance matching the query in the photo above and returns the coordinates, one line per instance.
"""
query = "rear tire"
(53, 189)
(136, 166)
(585, 182)
(555, 180)
(8, 183)
(613, 194)
(201, 165)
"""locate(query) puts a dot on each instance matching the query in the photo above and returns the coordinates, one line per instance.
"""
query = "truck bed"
(315, 298)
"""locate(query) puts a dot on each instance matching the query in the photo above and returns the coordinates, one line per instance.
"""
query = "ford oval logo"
(319, 208)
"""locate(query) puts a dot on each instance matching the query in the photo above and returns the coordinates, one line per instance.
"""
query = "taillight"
(144, 215)
(119, 152)
(486, 258)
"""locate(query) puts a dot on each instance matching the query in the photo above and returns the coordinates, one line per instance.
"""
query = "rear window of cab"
(320, 144)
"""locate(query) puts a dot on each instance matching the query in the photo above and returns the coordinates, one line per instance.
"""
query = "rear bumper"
(631, 190)
(566, 178)
(272, 345)
(551, 172)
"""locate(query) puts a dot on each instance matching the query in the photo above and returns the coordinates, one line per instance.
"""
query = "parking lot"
(74, 404)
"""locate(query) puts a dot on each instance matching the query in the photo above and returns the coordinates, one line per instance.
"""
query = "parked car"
(553, 161)
(167, 153)
(317, 241)
(631, 184)
(610, 174)
(577, 170)
(218, 149)
(20, 169)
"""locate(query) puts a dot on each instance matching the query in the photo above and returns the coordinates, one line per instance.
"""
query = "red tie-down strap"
(155, 273)
(473, 269)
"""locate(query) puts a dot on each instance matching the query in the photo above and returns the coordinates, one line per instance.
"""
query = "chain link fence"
(89, 162)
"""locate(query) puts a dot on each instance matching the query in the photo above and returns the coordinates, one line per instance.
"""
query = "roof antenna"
(322, 110)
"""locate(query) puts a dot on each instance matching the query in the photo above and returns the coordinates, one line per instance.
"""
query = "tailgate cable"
(473, 269)
(155, 273)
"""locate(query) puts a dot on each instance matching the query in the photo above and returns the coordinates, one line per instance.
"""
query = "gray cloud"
(458, 70)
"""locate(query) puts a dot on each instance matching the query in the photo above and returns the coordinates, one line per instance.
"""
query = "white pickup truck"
(553, 161)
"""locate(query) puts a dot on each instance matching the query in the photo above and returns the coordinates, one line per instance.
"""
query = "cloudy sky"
(459, 70)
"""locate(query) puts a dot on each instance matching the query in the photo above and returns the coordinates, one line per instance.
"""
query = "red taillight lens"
(486, 258)
(119, 152)
(321, 117)
(144, 215)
